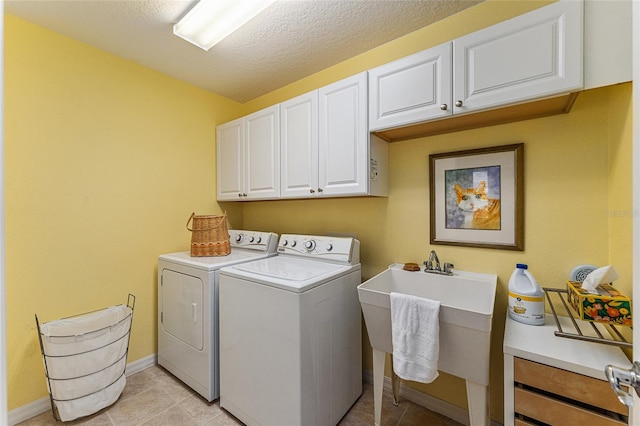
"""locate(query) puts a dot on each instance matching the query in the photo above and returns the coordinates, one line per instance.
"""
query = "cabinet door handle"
(458, 103)
(444, 107)
(319, 189)
(311, 190)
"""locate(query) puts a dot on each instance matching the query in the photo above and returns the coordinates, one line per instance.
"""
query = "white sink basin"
(466, 311)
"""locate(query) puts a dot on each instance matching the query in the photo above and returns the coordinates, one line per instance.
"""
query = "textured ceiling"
(288, 41)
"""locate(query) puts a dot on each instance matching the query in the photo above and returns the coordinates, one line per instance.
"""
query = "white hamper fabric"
(85, 358)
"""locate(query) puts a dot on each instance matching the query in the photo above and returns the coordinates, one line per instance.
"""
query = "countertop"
(539, 344)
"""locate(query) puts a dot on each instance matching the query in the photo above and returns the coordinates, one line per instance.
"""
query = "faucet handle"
(448, 267)
(428, 265)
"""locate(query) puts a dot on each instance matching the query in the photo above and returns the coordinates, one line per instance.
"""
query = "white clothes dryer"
(290, 333)
(188, 332)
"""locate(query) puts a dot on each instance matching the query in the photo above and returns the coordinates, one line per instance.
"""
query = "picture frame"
(477, 197)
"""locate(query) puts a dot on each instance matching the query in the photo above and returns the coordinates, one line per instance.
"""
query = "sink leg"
(478, 401)
(378, 382)
(395, 384)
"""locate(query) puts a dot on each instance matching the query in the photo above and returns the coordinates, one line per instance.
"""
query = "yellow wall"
(105, 161)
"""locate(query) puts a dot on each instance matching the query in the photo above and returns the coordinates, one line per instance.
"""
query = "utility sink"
(466, 311)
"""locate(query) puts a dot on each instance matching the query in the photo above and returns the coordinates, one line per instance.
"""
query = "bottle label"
(526, 308)
(526, 298)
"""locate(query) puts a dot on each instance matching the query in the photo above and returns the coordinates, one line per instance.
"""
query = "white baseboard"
(141, 364)
(429, 402)
(43, 405)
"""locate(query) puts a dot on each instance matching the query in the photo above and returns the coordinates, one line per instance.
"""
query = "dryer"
(188, 332)
(290, 333)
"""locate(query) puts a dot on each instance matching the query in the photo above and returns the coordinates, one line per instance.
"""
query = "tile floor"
(154, 397)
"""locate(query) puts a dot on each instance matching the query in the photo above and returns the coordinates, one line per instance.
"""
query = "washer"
(290, 333)
(188, 336)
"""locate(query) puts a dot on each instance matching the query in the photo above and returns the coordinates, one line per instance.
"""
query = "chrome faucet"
(429, 263)
(430, 268)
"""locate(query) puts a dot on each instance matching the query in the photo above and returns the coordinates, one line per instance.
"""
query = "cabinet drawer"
(555, 412)
(567, 384)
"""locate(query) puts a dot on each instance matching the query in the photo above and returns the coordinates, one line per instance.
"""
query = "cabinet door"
(262, 154)
(344, 135)
(411, 89)
(229, 141)
(299, 146)
(534, 55)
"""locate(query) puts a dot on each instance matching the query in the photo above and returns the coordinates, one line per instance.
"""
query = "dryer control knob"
(238, 238)
(252, 239)
(293, 243)
(310, 245)
(259, 240)
(285, 242)
(329, 247)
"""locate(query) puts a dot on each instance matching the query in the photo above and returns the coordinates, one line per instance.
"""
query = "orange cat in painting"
(480, 212)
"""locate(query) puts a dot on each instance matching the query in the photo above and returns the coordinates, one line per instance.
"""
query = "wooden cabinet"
(556, 380)
(552, 396)
(249, 157)
(532, 57)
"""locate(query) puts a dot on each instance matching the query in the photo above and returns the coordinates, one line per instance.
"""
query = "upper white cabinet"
(299, 146)
(249, 157)
(230, 151)
(315, 145)
(326, 149)
(411, 89)
(343, 155)
(532, 56)
(608, 42)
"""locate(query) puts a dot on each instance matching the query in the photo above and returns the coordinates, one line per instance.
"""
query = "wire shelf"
(589, 331)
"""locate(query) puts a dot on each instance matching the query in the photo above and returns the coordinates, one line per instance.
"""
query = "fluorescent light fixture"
(210, 21)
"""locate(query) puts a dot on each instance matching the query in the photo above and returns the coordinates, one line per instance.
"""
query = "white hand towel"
(415, 328)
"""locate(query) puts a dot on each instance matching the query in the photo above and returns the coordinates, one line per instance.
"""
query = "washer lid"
(211, 263)
(288, 273)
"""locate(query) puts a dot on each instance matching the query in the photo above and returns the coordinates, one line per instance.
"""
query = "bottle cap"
(521, 266)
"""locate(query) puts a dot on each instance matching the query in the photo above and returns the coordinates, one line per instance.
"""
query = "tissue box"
(610, 306)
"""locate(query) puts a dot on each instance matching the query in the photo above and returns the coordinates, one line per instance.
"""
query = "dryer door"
(182, 305)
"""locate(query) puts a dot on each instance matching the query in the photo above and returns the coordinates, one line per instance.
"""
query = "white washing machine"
(188, 336)
(290, 333)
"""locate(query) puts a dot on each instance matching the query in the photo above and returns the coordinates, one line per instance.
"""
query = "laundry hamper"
(85, 357)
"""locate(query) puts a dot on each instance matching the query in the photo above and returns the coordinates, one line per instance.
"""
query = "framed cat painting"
(477, 197)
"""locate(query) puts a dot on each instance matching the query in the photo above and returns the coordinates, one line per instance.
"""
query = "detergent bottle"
(526, 298)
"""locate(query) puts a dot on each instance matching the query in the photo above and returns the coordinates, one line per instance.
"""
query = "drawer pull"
(619, 376)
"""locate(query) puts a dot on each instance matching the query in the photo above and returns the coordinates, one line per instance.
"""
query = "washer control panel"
(253, 240)
(331, 249)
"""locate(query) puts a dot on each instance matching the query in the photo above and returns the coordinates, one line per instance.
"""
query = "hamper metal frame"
(131, 301)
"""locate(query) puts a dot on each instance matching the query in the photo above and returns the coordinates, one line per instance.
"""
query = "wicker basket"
(209, 235)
